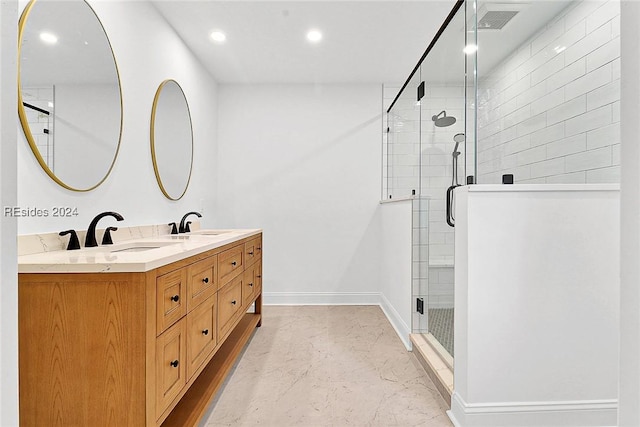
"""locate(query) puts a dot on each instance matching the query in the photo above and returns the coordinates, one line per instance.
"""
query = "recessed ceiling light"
(470, 48)
(218, 36)
(314, 36)
(48, 38)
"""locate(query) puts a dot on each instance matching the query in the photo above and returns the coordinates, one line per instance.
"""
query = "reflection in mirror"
(171, 140)
(69, 97)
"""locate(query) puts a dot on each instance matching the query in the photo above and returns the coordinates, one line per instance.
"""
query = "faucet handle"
(187, 229)
(74, 243)
(106, 239)
(174, 227)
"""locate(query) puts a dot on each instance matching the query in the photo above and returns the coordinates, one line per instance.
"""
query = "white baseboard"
(321, 298)
(523, 414)
(343, 298)
(396, 321)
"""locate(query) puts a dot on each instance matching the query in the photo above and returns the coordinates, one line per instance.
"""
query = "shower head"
(458, 138)
(443, 121)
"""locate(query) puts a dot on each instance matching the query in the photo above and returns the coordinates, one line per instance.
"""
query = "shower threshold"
(437, 363)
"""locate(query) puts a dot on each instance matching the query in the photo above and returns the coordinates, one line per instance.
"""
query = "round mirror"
(171, 140)
(69, 96)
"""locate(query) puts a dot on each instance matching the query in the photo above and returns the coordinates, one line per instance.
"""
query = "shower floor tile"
(441, 327)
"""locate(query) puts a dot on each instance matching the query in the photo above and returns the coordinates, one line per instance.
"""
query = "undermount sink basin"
(140, 246)
(210, 232)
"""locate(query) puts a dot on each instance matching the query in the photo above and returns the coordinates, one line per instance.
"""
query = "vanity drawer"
(171, 355)
(203, 281)
(251, 252)
(249, 284)
(201, 333)
(230, 263)
(171, 289)
(229, 305)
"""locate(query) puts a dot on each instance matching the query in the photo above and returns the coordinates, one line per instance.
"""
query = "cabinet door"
(248, 285)
(258, 270)
(250, 252)
(229, 305)
(258, 248)
(201, 333)
(230, 264)
(171, 357)
(203, 281)
(171, 290)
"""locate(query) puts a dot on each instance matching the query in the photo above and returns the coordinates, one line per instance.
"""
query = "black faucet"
(185, 228)
(174, 227)
(90, 240)
(106, 238)
(74, 243)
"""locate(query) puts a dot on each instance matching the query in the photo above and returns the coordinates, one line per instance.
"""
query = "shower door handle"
(450, 220)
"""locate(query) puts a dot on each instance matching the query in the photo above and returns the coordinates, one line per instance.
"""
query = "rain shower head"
(443, 121)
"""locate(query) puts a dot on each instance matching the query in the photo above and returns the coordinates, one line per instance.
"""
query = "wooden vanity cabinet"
(135, 349)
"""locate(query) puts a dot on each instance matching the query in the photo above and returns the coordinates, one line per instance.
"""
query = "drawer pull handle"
(205, 332)
(205, 280)
(250, 253)
(251, 284)
(259, 248)
(259, 276)
(175, 298)
(233, 302)
(175, 363)
(234, 263)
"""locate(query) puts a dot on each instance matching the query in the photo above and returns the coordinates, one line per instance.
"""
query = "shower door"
(443, 167)
(430, 150)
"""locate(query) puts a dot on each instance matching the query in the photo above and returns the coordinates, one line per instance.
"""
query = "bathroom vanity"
(142, 333)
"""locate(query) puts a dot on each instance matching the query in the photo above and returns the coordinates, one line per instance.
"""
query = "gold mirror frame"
(153, 146)
(23, 114)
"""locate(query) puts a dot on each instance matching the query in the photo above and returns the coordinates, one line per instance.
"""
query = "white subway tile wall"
(420, 265)
(441, 287)
(413, 140)
(550, 112)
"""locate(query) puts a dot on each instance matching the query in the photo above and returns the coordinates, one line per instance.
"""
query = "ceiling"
(364, 41)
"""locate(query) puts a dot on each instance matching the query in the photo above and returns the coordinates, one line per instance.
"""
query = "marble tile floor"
(327, 366)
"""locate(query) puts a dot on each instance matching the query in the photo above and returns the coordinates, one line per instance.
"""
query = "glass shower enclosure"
(427, 154)
(507, 92)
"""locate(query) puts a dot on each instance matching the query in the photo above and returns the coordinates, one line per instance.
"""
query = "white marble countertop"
(130, 255)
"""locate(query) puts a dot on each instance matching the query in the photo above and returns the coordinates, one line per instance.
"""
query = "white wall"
(537, 305)
(395, 265)
(8, 263)
(550, 112)
(148, 52)
(303, 163)
(629, 412)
